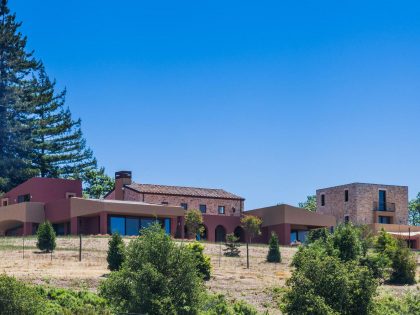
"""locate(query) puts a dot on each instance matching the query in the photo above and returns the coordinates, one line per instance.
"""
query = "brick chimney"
(122, 178)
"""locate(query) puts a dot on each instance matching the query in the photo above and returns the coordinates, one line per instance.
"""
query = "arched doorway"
(220, 233)
(240, 234)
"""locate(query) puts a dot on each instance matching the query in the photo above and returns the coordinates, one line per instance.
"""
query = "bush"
(273, 249)
(203, 261)
(116, 252)
(216, 304)
(232, 246)
(347, 240)
(157, 277)
(378, 264)
(193, 222)
(325, 284)
(18, 298)
(408, 304)
(403, 266)
(317, 234)
(46, 237)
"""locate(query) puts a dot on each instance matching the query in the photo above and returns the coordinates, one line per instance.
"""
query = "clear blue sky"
(267, 99)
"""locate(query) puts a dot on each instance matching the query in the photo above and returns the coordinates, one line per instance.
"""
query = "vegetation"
(157, 277)
(38, 136)
(273, 249)
(116, 252)
(232, 246)
(46, 237)
(414, 211)
(309, 204)
(203, 261)
(407, 304)
(97, 183)
(20, 298)
(194, 222)
(317, 234)
(329, 277)
(251, 225)
(216, 304)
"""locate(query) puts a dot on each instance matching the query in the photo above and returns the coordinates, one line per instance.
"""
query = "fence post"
(23, 247)
(220, 253)
(247, 256)
(80, 247)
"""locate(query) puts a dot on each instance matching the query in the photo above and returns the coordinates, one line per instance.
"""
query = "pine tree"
(46, 237)
(232, 246)
(59, 149)
(16, 64)
(273, 249)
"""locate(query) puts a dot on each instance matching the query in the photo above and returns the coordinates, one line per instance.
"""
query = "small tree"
(232, 246)
(309, 204)
(273, 249)
(251, 225)
(116, 252)
(46, 237)
(403, 266)
(194, 222)
(347, 240)
(317, 234)
(203, 261)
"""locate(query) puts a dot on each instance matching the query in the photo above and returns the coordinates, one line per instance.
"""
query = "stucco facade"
(362, 203)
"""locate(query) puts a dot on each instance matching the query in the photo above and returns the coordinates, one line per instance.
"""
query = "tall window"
(221, 209)
(203, 208)
(322, 200)
(382, 200)
(24, 198)
(346, 219)
(184, 205)
(346, 195)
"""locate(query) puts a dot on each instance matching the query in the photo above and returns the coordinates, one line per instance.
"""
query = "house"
(60, 201)
(376, 205)
(221, 210)
(291, 224)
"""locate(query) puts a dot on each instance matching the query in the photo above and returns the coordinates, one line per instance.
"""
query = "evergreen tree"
(116, 252)
(46, 237)
(59, 149)
(97, 183)
(232, 246)
(16, 64)
(273, 249)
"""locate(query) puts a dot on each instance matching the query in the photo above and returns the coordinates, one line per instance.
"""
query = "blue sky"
(267, 99)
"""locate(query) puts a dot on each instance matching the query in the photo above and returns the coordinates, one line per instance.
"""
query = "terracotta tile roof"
(183, 191)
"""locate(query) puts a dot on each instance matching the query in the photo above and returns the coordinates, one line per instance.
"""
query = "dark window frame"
(184, 205)
(24, 198)
(201, 207)
(346, 195)
(219, 208)
(322, 199)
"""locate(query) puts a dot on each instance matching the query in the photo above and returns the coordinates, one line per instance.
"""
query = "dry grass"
(230, 275)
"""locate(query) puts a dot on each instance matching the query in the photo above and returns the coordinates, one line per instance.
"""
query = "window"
(221, 209)
(346, 195)
(70, 195)
(184, 205)
(382, 200)
(132, 226)
(384, 220)
(164, 202)
(322, 200)
(203, 208)
(117, 225)
(24, 198)
(233, 209)
(346, 219)
(5, 202)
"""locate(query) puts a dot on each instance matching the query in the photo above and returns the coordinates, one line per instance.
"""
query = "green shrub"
(403, 266)
(116, 252)
(216, 304)
(193, 223)
(18, 298)
(317, 234)
(408, 304)
(157, 277)
(203, 261)
(46, 237)
(273, 249)
(378, 264)
(347, 240)
(232, 246)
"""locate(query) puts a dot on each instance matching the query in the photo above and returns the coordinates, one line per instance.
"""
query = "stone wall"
(232, 207)
(360, 206)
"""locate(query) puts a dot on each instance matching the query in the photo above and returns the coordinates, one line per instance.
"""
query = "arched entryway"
(220, 233)
(239, 233)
